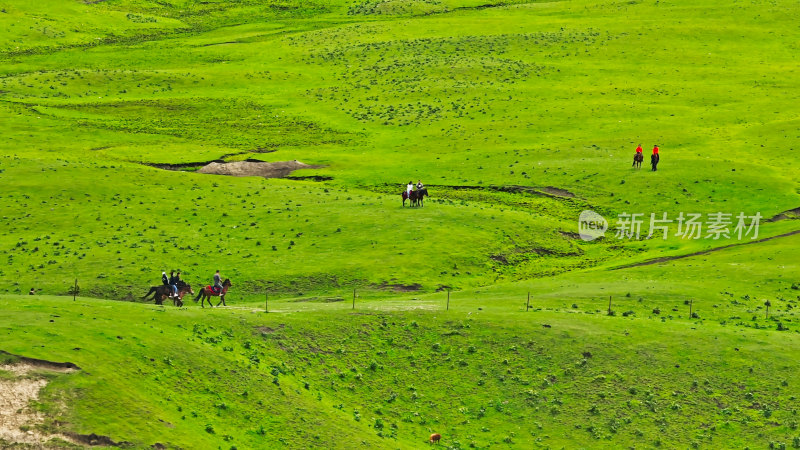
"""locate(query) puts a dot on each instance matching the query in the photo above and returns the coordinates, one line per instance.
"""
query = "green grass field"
(517, 116)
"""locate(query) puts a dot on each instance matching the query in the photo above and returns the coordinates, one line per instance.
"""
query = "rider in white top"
(409, 188)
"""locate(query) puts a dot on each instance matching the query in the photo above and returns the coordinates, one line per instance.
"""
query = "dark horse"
(637, 160)
(415, 197)
(207, 292)
(654, 159)
(164, 291)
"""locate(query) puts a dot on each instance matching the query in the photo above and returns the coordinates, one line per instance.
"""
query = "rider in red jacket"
(655, 158)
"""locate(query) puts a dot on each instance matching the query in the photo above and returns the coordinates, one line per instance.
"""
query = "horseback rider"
(164, 279)
(419, 185)
(409, 188)
(173, 283)
(217, 282)
(655, 158)
(638, 157)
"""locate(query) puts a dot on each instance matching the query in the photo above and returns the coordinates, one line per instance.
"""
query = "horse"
(207, 292)
(637, 160)
(434, 438)
(405, 197)
(164, 291)
(654, 159)
(183, 289)
(417, 196)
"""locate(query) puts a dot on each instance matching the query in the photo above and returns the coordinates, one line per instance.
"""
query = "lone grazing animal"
(434, 439)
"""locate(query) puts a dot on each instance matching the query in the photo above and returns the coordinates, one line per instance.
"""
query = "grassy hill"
(389, 377)
(516, 115)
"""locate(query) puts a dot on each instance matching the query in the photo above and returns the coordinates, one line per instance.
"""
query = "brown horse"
(207, 292)
(637, 160)
(164, 291)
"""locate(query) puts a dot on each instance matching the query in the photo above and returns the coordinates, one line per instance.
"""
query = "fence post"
(448, 299)
(690, 308)
(609, 305)
(75, 290)
(528, 304)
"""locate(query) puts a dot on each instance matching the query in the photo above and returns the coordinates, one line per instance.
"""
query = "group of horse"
(415, 196)
(161, 293)
(639, 157)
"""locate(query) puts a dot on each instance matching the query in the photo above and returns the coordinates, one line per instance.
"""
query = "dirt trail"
(704, 252)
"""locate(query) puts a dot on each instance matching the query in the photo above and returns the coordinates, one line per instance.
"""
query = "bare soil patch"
(17, 419)
(400, 287)
(15, 396)
(558, 192)
(268, 330)
(790, 214)
(255, 168)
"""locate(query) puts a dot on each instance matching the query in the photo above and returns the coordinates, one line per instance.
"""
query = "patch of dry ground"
(255, 168)
(16, 395)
